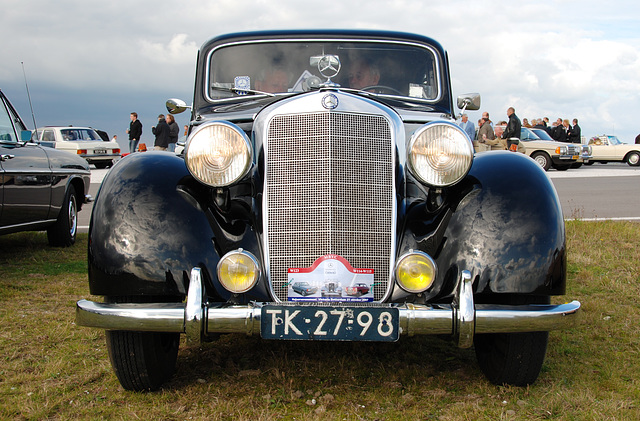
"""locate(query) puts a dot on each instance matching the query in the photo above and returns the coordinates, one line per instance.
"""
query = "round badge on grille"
(330, 101)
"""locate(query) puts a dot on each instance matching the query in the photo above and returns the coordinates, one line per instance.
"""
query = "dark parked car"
(42, 188)
(304, 288)
(322, 156)
(357, 289)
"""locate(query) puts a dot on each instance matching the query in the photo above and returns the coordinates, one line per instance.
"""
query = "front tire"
(512, 358)
(142, 361)
(542, 159)
(63, 232)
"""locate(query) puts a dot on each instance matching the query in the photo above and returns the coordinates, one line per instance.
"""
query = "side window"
(48, 136)
(7, 132)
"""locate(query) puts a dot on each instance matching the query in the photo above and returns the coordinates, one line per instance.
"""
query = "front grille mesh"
(329, 190)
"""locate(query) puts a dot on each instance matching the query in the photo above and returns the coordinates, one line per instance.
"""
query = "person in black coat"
(161, 131)
(134, 131)
(512, 132)
(575, 133)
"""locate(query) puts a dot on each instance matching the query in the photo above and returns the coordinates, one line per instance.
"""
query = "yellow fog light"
(238, 271)
(415, 271)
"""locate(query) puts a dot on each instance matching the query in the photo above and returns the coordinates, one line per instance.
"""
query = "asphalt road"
(592, 192)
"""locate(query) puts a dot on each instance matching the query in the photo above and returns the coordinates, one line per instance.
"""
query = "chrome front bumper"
(197, 318)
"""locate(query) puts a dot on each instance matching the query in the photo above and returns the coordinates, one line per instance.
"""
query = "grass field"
(52, 369)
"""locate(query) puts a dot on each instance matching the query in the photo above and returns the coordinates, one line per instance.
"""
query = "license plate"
(574, 157)
(330, 323)
(100, 151)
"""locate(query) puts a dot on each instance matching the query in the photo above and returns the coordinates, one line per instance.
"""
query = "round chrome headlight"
(238, 271)
(440, 154)
(218, 154)
(415, 271)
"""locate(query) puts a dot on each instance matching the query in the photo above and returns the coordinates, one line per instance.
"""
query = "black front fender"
(503, 223)
(144, 236)
(509, 229)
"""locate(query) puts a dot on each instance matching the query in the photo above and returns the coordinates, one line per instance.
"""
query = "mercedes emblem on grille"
(330, 101)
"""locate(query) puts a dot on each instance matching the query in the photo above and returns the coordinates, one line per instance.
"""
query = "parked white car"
(81, 141)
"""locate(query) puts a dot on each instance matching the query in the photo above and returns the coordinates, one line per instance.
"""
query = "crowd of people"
(166, 133)
(488, 132)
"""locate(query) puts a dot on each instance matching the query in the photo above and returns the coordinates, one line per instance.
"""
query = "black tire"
(103, 164)
(142, 361)
(63, 232)
(633, 159)
(512, 358)
(542, 159)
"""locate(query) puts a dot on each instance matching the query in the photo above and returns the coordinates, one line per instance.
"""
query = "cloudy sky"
(92, 63)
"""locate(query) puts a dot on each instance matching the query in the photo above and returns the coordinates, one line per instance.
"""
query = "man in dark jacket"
(575, 134)
(161, 131)
(512, 131)
(135, 131)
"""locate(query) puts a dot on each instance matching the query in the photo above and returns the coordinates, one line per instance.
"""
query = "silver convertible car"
(326, 157)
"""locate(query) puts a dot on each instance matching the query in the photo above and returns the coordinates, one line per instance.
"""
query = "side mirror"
(469, 102)
(25, 135)
(176, 106)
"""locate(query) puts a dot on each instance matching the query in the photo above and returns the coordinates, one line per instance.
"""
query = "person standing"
(174, 130)
(468, 127)
(161, 131)
(135, 132)
(512, 131)
(575, 133)
(485, 132)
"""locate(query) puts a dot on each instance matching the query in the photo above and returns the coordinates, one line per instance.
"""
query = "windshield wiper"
(243, 91)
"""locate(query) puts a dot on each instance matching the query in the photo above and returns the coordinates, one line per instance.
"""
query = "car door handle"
(6, 156)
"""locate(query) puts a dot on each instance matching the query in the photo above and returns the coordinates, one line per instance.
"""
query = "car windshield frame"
(226, 82)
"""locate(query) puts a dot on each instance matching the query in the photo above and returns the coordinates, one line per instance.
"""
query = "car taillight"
(82, 151)
(116, 151)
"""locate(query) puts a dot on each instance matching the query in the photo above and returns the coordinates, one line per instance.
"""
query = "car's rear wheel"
(103, 164)
(142, 361)
(542, 159)
(633, 159)
(63, 232)
(512, 358)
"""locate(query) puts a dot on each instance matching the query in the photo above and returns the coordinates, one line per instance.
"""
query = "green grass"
(52, 369)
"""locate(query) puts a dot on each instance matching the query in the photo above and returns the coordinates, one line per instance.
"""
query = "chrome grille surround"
(329, 186)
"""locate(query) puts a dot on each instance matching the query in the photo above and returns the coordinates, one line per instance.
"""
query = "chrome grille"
(573, 150)
(329, 190)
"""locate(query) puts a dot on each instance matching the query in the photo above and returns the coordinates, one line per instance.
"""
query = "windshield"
(79, 134)
(542, 134)
(614, 140)
(283, 67)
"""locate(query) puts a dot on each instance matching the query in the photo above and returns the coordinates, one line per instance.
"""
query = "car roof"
(326, 33)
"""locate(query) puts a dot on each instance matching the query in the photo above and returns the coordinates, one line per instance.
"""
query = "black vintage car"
(326, 157)
(42, 188)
